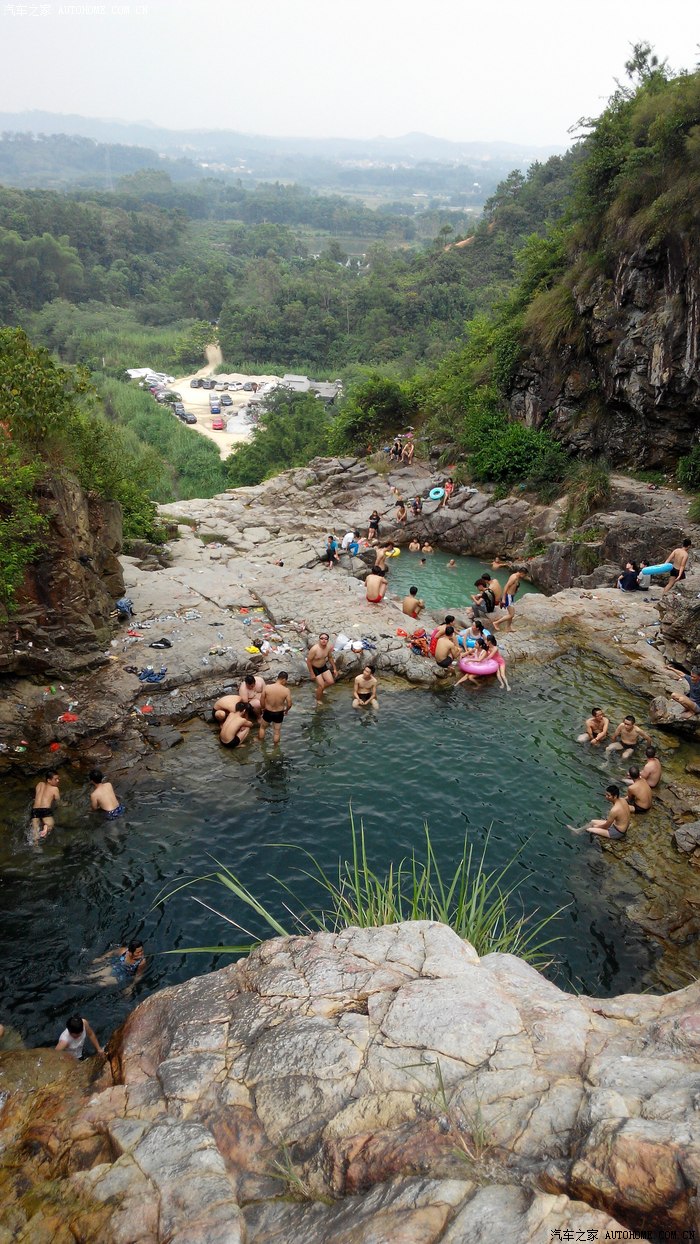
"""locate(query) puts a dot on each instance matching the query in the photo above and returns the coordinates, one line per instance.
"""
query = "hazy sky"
(354, 68)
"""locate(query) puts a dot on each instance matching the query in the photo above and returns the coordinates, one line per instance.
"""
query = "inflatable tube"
(436, 493)
(396, 553)
(478, 668)
(470, 641)
(664, 568)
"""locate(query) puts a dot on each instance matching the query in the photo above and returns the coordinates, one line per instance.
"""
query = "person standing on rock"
(375, 586)
(277, 703)
(365, 689)
(103, 797)
(597, 727)
(373, 525)
(679, 561)
(691, 701)
(252, 692)
(321, 665)
(401, 514)
(45, 796)
(381, 554)
(72, 1039)
(508, 598)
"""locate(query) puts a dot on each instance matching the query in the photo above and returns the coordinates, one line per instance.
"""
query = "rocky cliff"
(367, 1087)
(62, 622)
(628, 389)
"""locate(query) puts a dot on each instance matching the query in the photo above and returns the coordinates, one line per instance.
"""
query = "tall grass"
(479, 904)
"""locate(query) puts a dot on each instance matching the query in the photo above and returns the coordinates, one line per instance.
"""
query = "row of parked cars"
(220, 386)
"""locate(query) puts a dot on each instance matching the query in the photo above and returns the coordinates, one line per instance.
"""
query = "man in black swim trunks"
(45, 796)
(236, 726)
(365, 689)
(276, 704)
(321, 665)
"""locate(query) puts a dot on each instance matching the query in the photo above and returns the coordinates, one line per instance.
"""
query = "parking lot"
(197, 401)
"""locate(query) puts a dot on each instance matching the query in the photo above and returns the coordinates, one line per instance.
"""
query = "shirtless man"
(252, 691)
(508, 598)
(483, 600)
(494, 586)
(414, 546)
(446, 649)
(639, 795)
(691, 701)
(597, 727)
(321, 665)
(626, 737)
(411, 604)
(617, 821)
(652, 769)
(103, 797)
(679, 560)
(365, 689)
(277, 702)
(236, 726)
(381, 555)
(427, 547)
(375, 586)
(45, 796)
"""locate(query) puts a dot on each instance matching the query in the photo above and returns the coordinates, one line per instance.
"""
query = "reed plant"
(480, 904)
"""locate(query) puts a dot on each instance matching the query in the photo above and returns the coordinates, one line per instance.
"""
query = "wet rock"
(381, 1083)
(687, 838)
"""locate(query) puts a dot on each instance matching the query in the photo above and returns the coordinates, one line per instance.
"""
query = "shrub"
(375, 409)
(21, 522)
(688, 470)
(552, 320)
(472, 901)
(588, 490)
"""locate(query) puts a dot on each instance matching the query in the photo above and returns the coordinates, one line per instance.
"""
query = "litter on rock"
(68, 717)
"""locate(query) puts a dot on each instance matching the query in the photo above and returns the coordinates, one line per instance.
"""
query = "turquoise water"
(439, 586)
(463, 759)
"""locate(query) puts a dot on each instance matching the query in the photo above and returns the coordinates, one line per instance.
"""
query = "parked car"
(178, 408)
(221, 385)
(189, 417)
(217, 424)
(247, 387)
(196, 382)
(208, 383)
(215, 408)
(170, 396)
(214, 397)
(234, 385)
(226, 400)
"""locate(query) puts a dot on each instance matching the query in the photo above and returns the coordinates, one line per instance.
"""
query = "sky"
(459, 69)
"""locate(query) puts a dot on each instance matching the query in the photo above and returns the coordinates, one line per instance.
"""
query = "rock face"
(379, 1085)
(630, 390)
(64, 606)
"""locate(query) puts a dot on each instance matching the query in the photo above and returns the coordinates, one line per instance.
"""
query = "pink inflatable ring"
(479, 668)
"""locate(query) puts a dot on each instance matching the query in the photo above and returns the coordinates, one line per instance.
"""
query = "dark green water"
(461, 759)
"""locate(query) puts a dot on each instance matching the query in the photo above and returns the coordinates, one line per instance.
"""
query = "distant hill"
(232, 148)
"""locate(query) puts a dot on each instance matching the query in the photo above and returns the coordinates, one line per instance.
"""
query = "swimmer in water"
(414, 546)
(452, 565)
(365, 689)
(103, 797)
(427, 547)
(45, 796)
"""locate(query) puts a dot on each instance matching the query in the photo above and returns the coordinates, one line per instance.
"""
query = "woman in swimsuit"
(365, 689)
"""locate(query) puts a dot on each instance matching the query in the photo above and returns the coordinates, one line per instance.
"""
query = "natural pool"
(437, 585)
(460, 759)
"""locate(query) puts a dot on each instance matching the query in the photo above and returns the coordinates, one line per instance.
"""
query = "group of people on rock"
(637, 576)
(639, 797)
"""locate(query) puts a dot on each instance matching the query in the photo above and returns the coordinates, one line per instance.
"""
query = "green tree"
(293, 430)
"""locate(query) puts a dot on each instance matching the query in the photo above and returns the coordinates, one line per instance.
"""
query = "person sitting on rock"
(639, 794)
(617, 821)
(652, 769)
(417, 506)
(691, 701)
(330, 553)
(401, 514)
(411, 604)
(237, 725)
(628, 580)
(375, 586)
(446, 649)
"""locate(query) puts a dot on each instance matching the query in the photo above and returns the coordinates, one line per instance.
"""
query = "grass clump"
(589, 490)
(479, 904)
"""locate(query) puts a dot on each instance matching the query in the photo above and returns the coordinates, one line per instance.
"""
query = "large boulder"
(378, 1085)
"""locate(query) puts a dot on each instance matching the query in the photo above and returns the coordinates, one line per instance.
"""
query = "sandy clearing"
(197, 400)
